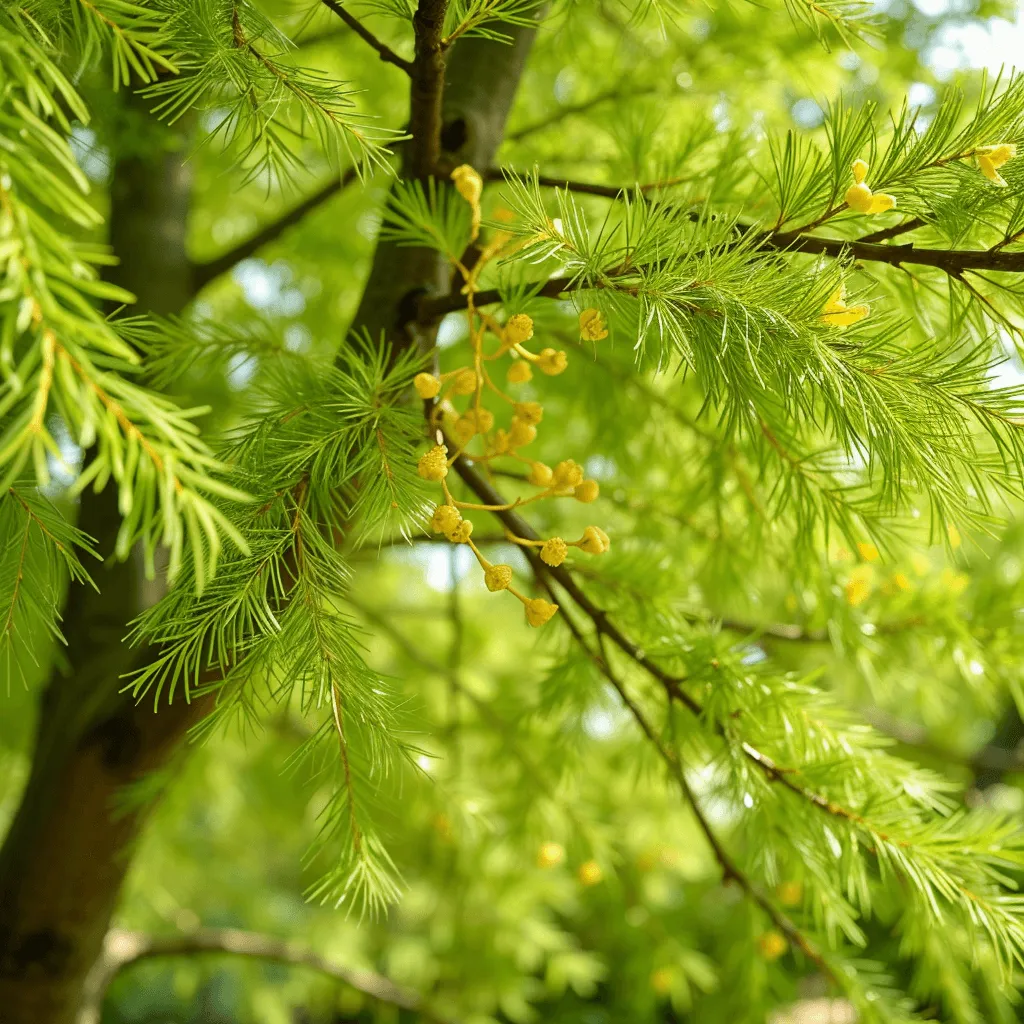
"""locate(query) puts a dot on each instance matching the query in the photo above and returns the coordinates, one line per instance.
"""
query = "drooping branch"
(204, 273)
(385, 52)
(589, 188)
(123, 949)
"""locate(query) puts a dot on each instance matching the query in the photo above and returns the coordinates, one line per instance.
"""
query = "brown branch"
(590, 188)
(884, 234)
(384, 51)
(427, 91)
(123, 949)
(204, 273)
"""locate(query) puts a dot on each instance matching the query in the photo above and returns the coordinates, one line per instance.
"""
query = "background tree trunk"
(68, 848)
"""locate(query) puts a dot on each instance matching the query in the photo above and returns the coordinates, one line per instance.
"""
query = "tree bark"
(68, 848)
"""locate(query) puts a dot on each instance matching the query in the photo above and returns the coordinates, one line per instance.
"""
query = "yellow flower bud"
(551, 362)
(521, 433)
(445, 519)
(859, 196)
(594, 541)
(498, 577)
(550, 855)
(772, 945)
(868, 552)
(518, 329)
(529, 412)
(587, 491)
(990, 158)
(590, 873)
(426, 385)
(592, 326)
(838, 313)
(662, 980)
(568, 474)
(501, 443)
(468, 183)
(860, 171)
(475, 421)
(434, 465)
(539, 611)
(461, 533)
(519, 372)
(790, 894)
(954, 536)
(540, 474)
(858, 586)
(464, 382)
(554, 551)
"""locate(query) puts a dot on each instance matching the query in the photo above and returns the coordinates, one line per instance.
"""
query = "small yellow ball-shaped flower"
(587, 491)
(868, 552)
(518, 329)
(445, 519)
(662, 980)
(498, 577)
(521, 433)
(434, 465)
(568, 473)
(595, 541)
(529, 412)
(464, 382)
(551, 362)
(592, 325)
(554, 551)
(550, 855)
(464, 427)
(519, 372)
(772, 945)
(539, 611)
(790, 894)
(461, 533)
(426, 385)
(500, 445)
(468, 183)
(590, 873)
(540, 475)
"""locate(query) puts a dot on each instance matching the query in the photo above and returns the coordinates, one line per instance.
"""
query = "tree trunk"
(68, 848)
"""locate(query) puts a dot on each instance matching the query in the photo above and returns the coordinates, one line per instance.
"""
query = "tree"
(615, 520)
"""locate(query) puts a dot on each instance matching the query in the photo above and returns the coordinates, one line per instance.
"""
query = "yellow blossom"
(501, 443)
(445, 519)
(901, 581)
(539, 611)
(551, 362)
(590, 873)
(554, 551)
(529, 412)
(587, 491)
(954, 536)
(568, 474)
(497, 577)
(426, 385)
(434, 465)
(662, 980)
(790, 893)
(475, 421)
(991, 158)
(521, 433)
(592, 325)
(540, 475)
(470, 186)
(868, 552)
(772, 945)
(858, 586)
(519, 372)
(461, 533)
(594, 541)
(954, 582)
(838, 313)
(550, 855)
(464, 381)
(518, 329)
(859, 196)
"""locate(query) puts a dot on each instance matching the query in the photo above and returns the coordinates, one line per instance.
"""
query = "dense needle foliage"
(744, 771)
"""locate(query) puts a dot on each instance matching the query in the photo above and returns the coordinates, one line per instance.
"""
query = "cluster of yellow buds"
(859, 196)
(477, 423)
(838, 313)
(991, 158)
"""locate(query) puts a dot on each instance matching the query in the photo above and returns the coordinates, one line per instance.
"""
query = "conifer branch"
(124, 949)
(427, 91)
(556, 117)
(204, 273)
(590, 188)
(384, 51)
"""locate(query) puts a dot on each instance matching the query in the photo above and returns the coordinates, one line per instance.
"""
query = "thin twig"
(427, 90)
(122, 949)
(384, 51)
(204, 273)
(590, 188)
(557, 116)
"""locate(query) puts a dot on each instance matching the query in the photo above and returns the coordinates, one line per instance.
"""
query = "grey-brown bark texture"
(65, 856)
